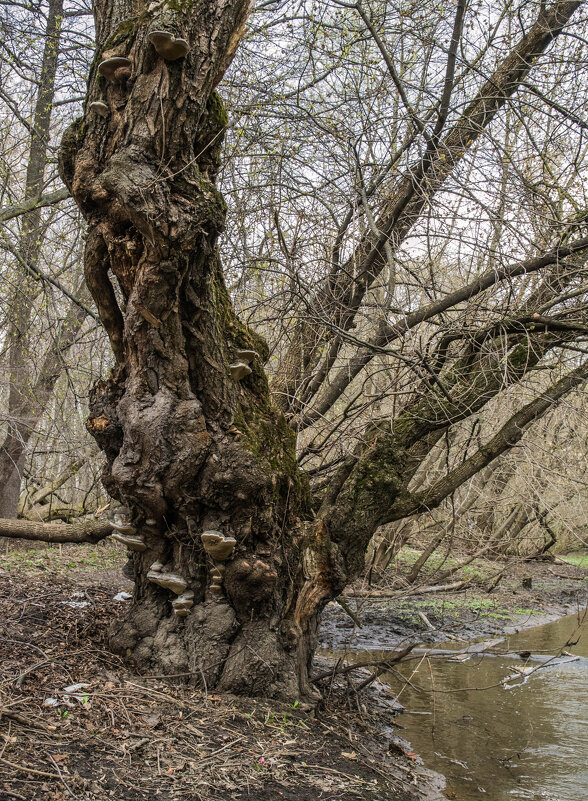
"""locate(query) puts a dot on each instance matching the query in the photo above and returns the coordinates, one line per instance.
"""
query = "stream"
(526, 742)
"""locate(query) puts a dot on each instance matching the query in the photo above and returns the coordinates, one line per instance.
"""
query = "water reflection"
(526, 743)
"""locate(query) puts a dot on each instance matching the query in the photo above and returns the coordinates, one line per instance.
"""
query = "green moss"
(376, 476)
(208, 144)
(237, 335)
(271, 440)
(124, 33)
(217, 112)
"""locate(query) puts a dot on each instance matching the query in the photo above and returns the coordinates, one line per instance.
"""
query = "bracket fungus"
(247, 356)
(100, 108)
(183, 603)
(217, 589)
(167, 46)
(121, 521)
(116, 68)
(135, 543)
(239, 370)
(169, 581)
(217, 545)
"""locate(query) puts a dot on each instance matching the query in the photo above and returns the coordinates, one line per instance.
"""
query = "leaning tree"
(234, 552)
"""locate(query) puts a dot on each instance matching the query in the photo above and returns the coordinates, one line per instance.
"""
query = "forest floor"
(132, 737)
(127, 737)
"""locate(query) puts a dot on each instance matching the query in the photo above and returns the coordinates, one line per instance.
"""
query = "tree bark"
(189, 448)
(23, 410)
(85, 531)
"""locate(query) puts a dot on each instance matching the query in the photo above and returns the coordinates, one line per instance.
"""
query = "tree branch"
(420, 184)
(38, 202)
(388, 334)
(86, 531)
(508, 436)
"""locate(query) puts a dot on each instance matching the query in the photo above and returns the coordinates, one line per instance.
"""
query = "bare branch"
(38, 202)
(510, 433)
(86, 531)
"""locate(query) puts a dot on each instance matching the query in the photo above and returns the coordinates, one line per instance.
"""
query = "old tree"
(196, 441)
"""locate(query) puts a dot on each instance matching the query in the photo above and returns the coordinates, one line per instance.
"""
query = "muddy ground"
(128, 737)
(529, 594)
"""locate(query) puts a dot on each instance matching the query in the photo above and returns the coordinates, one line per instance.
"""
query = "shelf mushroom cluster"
(241, 368)
(176, 584)
(99, 107)
(167, 46)
(118, 69)
(124, 531)
(219, 548)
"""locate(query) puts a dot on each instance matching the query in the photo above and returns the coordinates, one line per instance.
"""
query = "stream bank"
(121, 736)
(531, 594)
(138, 738)
(501, 719)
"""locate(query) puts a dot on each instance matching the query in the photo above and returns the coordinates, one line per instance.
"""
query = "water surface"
(528, 742)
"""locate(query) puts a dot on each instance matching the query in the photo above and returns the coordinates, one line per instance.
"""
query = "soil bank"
(530, 594)
(128, 737)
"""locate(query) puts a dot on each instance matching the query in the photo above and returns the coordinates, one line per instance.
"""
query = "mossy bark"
(188, 449)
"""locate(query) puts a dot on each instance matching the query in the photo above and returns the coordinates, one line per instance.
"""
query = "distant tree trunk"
(21, 398)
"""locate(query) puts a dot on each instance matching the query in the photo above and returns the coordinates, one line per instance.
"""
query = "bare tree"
(218, 510)
(34, 317)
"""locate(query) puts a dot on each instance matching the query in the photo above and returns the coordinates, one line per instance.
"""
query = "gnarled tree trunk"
(191, 445)
(189, 448)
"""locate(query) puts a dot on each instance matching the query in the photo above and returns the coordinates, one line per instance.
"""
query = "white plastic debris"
(123, 596)
(75, 688)
(50, 702)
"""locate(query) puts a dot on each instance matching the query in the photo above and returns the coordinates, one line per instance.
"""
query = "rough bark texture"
(85, 531)
(188, 448)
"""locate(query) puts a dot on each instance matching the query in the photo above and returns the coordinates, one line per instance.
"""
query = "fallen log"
(83, 531)
(456, 585)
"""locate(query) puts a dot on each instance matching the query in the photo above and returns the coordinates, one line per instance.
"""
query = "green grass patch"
(63, 560)
(442, 609)
(576, 559)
